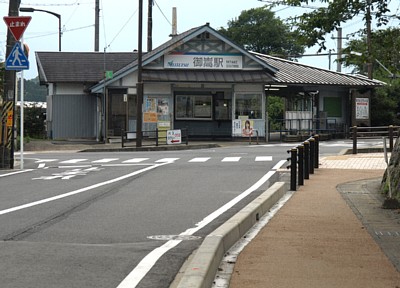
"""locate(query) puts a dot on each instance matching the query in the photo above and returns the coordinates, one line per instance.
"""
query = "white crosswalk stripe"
(135, 160)
(167, 160)
(263, 158)
(200, 159)
(73, 161)
(105, 160)
(231, 159)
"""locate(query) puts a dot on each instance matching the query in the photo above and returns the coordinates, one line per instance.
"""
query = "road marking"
(17, 172)
(105, 160)
(45, 160)
(135, 160)
(279, 165)
(263, 158)
(144, 266)
(61, 196)
(169, 160)
(231, 159)
(200, 159)
(73, 161)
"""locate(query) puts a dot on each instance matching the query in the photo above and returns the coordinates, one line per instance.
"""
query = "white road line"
(135, 160)
(73, 161)
(170, 160)
(200, 159)
(231, 159)
(16, 172)
(279, 165)
(105, 160)
(45, 160)
(263, 158)
(36, 203)
(140, 271)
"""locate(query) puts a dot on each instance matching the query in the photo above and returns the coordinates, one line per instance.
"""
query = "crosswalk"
(42, 163)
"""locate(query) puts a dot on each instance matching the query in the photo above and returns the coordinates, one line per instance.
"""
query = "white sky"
(119, 22)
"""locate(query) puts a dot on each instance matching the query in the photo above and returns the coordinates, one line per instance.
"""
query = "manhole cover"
(173, 237)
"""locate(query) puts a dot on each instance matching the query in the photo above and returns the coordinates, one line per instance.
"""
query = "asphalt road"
(114, 219)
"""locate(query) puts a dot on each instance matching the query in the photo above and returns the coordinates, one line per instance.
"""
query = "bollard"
(300, 150)
(306, 160)
(156, 137)
(293, 168)
(312, 155)
(316, 158)
(354, 139)
(122, 138)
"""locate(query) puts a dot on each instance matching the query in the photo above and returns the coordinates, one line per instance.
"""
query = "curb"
(201, 271)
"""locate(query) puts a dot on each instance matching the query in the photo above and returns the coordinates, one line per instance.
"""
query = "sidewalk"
(331, 233)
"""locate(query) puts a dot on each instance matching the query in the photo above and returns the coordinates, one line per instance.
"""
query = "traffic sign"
(17, 25)
(17, 59)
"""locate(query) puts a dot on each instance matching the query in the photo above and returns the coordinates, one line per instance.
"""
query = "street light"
(28, 9)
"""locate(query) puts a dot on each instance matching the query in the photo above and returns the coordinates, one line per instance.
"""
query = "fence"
(390, 132)
(303, 160)
(301, 129)
(153, 137)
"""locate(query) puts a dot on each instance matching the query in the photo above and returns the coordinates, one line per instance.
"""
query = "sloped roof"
(294, 73)
(79, 67)
(216, 76)
(175, 42)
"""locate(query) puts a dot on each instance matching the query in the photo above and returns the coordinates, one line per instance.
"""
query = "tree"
(313, 26)
(33, 91)
(385, 46)
(258, 30)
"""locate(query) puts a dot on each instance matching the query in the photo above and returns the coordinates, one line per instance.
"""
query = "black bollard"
(300, 150)
(306, 160)
(316, 158)
(312, 155)
(293, 169)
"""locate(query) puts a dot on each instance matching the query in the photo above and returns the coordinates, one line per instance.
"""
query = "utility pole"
(8, 108)
(96, 26)
(150, 26)
(369, 43)
(139, 84)
(339, 45)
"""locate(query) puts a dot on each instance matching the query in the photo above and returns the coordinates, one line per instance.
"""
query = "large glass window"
(193, 107)
(248, 105)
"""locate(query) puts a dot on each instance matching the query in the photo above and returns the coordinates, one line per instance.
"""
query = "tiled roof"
(216, 76)
(79, 67)
(294, 73)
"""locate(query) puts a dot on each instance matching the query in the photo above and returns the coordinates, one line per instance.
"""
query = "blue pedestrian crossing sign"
(17, 59)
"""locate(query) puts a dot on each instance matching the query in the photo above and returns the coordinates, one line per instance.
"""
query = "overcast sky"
(119, 22)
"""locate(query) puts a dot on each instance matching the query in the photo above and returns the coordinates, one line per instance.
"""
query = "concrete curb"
(201, 271)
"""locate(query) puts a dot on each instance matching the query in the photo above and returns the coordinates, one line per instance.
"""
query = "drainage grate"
(173, 237)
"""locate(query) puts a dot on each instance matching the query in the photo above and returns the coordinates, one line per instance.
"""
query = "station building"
(198, 80)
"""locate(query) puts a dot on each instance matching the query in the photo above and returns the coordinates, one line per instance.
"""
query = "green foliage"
(275, 109)
(385, 105)
(33, 91)
(258, 30)
(34, 122)
(313, 26)
(385, 46)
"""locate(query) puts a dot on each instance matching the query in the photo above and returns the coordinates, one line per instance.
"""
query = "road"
(120, 219)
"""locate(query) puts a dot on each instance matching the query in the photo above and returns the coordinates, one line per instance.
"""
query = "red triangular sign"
(17, 25)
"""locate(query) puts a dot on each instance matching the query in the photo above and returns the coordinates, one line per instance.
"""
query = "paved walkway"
(331, 233)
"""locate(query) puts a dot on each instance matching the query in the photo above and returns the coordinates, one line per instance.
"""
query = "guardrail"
(152, 137)
(378, 132)
(303, 160)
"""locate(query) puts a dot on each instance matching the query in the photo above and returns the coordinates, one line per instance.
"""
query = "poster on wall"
(247, 128)
(362, 108)
(162, 106)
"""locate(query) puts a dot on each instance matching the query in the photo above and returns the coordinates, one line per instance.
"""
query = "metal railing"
(152, 137)
(391, 132)
(303, 160)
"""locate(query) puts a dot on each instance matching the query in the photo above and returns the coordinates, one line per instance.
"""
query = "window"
(333, 106)
(248, 105)
(193, 107)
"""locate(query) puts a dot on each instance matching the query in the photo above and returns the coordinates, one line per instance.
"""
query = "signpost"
(17, 60)
(174, 136)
